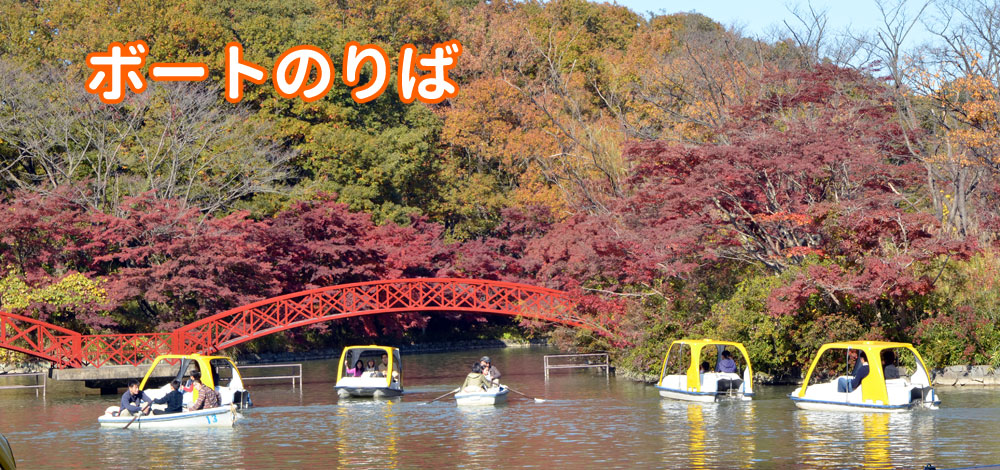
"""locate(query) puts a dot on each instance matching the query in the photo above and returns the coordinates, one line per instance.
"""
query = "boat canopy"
(688, 356)
(352, 354)
(216, 371)
(873, 389)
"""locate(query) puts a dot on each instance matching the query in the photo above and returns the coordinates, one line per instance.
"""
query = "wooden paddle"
(442, 396)
(537, 400)
(135, 417)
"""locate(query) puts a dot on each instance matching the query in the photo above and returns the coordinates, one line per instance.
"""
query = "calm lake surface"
(587, 421)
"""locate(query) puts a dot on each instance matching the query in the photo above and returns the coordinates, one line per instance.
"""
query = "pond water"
(586, 421)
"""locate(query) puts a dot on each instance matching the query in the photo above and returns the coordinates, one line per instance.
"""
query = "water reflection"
(876, 432)
(478, 434)
(165, 448)
(367, 432)
(696, 434)
(584, 423)
(874, 440)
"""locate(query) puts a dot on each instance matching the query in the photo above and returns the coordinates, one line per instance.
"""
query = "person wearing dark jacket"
(860, 372)
(132, 400)
(174, 400)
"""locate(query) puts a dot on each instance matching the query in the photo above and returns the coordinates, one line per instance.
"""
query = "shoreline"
(949, 376)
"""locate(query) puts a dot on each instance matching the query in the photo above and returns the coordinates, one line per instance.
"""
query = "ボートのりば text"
(304, 72)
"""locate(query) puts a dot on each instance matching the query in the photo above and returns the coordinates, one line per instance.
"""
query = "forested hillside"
(678, 178)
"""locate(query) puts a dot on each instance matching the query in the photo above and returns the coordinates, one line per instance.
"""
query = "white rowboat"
(493, 396)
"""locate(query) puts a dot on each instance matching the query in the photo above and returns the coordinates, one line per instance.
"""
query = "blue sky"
(757, 16)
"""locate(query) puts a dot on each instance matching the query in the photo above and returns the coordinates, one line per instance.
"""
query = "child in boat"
(174, 400)
(475, 381)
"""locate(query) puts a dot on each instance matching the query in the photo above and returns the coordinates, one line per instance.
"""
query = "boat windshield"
(723, 358)
(166, 370)
(222, 372)
(902, 363)
(831, 364)
(678, 360)
(370, 359)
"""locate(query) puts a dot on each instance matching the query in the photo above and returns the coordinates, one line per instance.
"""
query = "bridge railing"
(133, 349)
(39, 338)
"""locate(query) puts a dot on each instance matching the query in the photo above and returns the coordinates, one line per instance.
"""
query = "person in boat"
(359, 368)
(890, 370)
(189, 383)
(476, 381)
(727, 364)
(383, 366)
(859, 373)
(704, 367)
(132, 400)
(174, 400)
(491, 373)
(371, 368)
(207, 397)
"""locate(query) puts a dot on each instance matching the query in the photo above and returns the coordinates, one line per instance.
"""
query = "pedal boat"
(218, 372)
(876, 393)
(681, 378)
(493, 396)
(372, 383)
(223, 416)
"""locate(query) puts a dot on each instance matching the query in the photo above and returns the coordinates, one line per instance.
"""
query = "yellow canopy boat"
(894, 379)
(706, 370)
(362, 372)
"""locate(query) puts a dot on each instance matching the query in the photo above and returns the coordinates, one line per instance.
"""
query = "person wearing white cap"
(490, 372)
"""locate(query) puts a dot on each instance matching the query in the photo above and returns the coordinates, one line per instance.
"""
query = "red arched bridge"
(67, 348)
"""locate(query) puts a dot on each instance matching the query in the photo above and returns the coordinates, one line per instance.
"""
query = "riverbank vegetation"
(678, 178)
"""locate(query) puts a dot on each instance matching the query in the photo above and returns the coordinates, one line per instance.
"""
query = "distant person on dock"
(859, 373)
(890, 370)
(476, 381)
(359, 368)
(727, 364)
(174, 400)
(491, 373)
(207, 397)
(132, 400)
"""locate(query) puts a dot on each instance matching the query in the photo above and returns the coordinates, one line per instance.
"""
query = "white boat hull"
(223, 416)
(824, 397)
(368, 387)
(676, 395)
(828, 406)
(368, 392)
(487, 398)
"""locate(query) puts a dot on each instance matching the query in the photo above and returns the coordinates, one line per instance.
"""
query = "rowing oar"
(134, 418)
(537, 400)
(442, 396)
